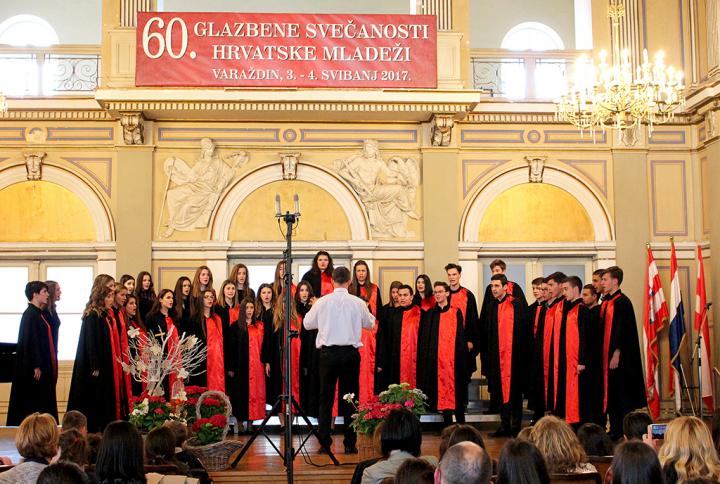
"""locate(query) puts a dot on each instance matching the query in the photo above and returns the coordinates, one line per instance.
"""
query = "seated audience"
(73, 447)
(560, 446)
(466, 433)
(160, 449)
(635, 463)
(36, 441)
(445, 435)
(120, 457)
(521, 463)
(415, 471)
(362, 465)
(635, 425)
(180, 431)
(75, 420)
(93, 443)
(595, 440)
(63, 473)
(400, 440)
(524, 434)
(464, 463)
(688, 452)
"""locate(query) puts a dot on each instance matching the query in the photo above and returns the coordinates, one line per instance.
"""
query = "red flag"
(655, 316)
(701, 324)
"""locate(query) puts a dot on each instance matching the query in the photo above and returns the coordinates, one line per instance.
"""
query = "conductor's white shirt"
(339, 318)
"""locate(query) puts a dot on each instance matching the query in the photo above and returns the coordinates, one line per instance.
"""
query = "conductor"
(339, 318)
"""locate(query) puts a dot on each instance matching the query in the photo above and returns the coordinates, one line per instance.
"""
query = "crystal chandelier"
(612, 96)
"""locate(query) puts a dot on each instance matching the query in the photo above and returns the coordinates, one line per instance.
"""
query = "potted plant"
(150, 412)
(212, 413)
(368, 415)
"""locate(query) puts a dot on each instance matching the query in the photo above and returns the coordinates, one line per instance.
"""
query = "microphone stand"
(287, 400)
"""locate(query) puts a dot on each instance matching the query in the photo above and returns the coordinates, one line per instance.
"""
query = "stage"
(262, 464)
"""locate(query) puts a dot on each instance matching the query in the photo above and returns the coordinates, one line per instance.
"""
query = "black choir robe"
(157, 324)
(536, 314)
(624, 386)
(94, 396)
(442, 358)
(272, 351)
(514, 290)
(53, 318)
(247, 400)
(463, 299)
(309, 365)
(36, 348)
(592, 377)
(145, 304)
(507, 372)
(245, 293)
(571, 388)
(542, 373)
(396, 347)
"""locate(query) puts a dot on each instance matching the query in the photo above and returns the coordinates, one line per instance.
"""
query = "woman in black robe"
(309, 354)
(183, 286)
(145, 292)
(272, 342)
(320, 274)
(241, 276)
(92, 389)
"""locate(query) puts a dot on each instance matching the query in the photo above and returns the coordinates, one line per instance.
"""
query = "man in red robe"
(536, 312)
(572, 391)
(441, 359)
(622, 365)
(463, 299)
(508, 345)
(396, 342)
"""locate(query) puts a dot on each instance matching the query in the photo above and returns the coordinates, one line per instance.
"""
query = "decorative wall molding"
(86, 164)
(512, 136)
(219, 135)
(579, 165)
(352, 206)
(681, 191)
(469, 183)
(358, 135)
(89, 133)
(96, 205)
(475, 209)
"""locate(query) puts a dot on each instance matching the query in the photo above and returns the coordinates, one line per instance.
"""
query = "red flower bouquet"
(369, 415)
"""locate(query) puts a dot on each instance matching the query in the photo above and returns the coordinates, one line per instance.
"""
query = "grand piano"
(7, 361)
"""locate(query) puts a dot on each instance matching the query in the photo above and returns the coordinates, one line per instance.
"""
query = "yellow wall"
(39, 211)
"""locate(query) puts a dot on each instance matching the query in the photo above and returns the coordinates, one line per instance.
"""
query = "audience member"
(120, 457)
(525, 434)
(560, 446)
(75, 419)
(400, 440)
(362, 465)
(415, 471)
(521, 463)
(63, 473)
(466, 433)
(445, 435)
(73, 447)
(180, 431)
(160, 449)
(595, 440)
(93, 442)
(464, 463)
(36, 441)
(688, 451)
(635, 463)
(635, 425)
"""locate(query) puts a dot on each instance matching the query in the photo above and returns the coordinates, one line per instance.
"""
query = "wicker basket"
(366, 448)
(215, 456)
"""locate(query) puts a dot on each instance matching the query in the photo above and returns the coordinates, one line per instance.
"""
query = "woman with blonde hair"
(560, 446)
(36, 441)
(688, 451)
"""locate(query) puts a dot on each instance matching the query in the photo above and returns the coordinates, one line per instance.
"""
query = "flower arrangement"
(152, 359)
(209, 430)
(369, 415)
(150, 412)
(192, 394)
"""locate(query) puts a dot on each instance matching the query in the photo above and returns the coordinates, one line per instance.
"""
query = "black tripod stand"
(287, 401)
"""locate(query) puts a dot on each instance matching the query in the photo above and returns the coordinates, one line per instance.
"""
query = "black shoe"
(351, 449)
(323, 450)
(501, 432)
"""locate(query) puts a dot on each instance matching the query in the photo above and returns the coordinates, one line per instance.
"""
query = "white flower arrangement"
(151, 359)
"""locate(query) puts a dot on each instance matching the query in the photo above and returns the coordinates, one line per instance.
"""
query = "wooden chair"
(601, 463)
(576, 478)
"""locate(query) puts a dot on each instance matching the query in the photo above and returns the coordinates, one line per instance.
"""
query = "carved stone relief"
(33, 165)
(536, 166)
(442, 125)
(133, 128)
(192, 192)
(386, 188)
(289, 163)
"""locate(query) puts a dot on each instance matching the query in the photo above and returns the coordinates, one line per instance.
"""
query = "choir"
(565, 353)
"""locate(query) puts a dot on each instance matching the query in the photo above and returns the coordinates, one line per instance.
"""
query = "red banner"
(286, 50)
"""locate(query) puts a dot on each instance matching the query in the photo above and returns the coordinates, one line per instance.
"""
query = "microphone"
(296, 199)
(277, 206)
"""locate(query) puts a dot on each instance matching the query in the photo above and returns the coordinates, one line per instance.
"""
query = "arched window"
(532, 36)
(549, 73)
(27, 30)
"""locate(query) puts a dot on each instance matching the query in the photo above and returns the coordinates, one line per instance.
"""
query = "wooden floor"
(262, 463)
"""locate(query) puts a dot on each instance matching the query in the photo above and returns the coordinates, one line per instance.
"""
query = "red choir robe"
(213, 333)
(126, 380)
(397, 338)
(547, 335)
(255, 373)
(483, 319)
(160, 326)
(464, 300)
(425, 303)
(557, 325)
(441, 358)
(570, 393)
(536, 382)
(321, 283)
(507, 344)
(116, 367)
(368, 348)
